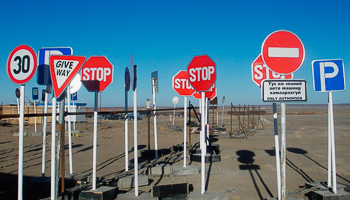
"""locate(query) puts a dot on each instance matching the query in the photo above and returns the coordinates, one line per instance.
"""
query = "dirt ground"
(247, 169)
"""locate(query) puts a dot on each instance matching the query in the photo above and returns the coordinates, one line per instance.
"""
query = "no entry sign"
(181, 84)
(62, 70)
(283, 52)
(97, 73)
(21, 64)
(201, 73)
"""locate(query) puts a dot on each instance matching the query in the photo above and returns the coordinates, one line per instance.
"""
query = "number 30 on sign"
(21, 64)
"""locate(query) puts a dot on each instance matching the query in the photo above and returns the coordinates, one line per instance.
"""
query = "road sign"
(127, 79)
(211, 93)
(181, 84)
(328, 75)
(74, 96)
(21, 64)
(283, 90)
(175, 100)
(97, 73)
(283, 52)
(43, 75)
(62, 70)
(201, 73)
(35, 93)
(75, 84)
(18, 93)
(261, 72)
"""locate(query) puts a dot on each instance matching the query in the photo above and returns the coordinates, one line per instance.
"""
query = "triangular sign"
(62, 70)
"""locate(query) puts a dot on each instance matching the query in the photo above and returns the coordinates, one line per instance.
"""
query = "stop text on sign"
(201, 73)
(182, 84)
(96, 73)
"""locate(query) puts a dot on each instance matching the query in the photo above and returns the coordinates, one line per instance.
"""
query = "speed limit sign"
(21, 64)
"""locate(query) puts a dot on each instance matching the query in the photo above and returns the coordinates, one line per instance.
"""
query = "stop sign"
(283, 52)
(181, 84)
(201, 73)
(261, 72)
(97, 73)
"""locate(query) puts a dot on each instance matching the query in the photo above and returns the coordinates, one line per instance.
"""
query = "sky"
(164, 36)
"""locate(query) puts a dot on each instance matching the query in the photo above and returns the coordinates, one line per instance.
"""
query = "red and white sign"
(261, 72)
(181, 84)
(97, 73)
(283, 52)
(201, 73)
(21, 64)
(211, 93)
(63, 69)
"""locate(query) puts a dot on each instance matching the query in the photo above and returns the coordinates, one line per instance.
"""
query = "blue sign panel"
(328, 75)
(74, 96)
(43, 77)
(35, 93)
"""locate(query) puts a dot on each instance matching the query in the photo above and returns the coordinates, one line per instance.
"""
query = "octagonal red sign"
(181, 84)
(201, 73)
(97, 73)
(211, 93)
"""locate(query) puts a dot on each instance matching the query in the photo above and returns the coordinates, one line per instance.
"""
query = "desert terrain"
(247, 169)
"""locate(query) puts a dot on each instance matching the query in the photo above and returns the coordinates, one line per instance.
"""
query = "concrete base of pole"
(142, 196)
(188, 170)
(324, 193)
(196, 157)
(207, 196)
(162, 169)
(101, 193)
(129, 181)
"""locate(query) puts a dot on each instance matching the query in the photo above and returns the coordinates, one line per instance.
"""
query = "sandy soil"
(247, 169)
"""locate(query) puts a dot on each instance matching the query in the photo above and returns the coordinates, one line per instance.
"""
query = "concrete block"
(17, 134)
(101, 193)
(273, 198)
(207, 196)
(129, 182)
(188, 170)
(169, 190)
(328, 195)
(38, 133)
(162, 169)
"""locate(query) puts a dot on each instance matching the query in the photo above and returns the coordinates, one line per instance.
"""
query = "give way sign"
(261, 72)
(63, 69)
(181, 84)
(97, 73)
(283, 52)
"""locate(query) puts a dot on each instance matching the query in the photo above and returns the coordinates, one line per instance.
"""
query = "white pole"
(283, 150)
(126, 144)
(18, 107)
(94, 143)
(53, 150)
(334, 170)
(206, 123)
(155, 119)
(35, 116)
(44, 138)
(277, 150)
(223, 110)
(185, 129)
(202, 141)
(174, 115)
(20, 144)
(329, 182)
(75, 116)
(70, 133)
(136, 171)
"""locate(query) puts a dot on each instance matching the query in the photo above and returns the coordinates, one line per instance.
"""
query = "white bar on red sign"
(283, 52)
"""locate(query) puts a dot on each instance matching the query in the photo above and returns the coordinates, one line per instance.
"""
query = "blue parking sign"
(35, 93)
(328, 75)
(74, 96)
(43, 75)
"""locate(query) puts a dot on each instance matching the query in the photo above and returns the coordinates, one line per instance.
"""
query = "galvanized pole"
(277, 150)
(94, 152)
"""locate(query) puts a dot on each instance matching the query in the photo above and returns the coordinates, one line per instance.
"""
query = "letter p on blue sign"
(328, 75)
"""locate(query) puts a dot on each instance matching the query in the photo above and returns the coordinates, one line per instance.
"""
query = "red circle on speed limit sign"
(21, 64)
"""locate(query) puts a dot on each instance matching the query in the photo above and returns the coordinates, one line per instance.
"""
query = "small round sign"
(175, 100)
(75, 85)
(21, 64)
(18, 93)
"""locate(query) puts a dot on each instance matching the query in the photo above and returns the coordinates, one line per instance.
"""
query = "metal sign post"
(154, 77)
